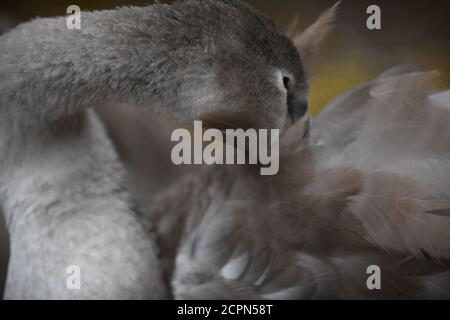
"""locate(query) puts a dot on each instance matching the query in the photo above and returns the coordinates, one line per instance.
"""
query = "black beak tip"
(297, 108)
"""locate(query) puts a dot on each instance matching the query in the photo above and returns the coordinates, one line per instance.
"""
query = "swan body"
(62, 188)
(352, 192)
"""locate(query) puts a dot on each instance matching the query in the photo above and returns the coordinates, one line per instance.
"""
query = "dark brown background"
(412, 32)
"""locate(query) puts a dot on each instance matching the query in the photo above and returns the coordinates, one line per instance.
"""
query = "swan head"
(219, 61)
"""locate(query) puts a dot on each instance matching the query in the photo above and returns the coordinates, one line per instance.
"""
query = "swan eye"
(286, 81)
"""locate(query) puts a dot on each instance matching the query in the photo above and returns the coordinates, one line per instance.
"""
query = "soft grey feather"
(310, 232)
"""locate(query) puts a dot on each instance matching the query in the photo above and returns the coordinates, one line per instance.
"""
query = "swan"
(63, 191)
(363, 184)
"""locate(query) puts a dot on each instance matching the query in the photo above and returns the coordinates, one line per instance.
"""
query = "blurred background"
(412, 31)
